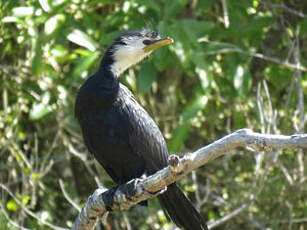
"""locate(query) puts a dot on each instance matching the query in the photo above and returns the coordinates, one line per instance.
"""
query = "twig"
(10, 220)
(127, 195)
(200, 201)
(76, 153)
(231, 215)
(295, 220)
(237, 211)
(269, 117)
(126, 219)
(29, 212)
(300, 106)
(236, 49)
(225, 12)
(283, 7)
(261, 109)
(285, 172)
(197, 195)
(74, 204)
(256, 224)
(300, 94)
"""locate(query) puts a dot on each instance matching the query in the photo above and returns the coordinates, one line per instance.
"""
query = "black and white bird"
(120, 133)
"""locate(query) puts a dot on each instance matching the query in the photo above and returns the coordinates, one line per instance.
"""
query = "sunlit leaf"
(23, 11)
(212, 215)
(82, 39)
(53, 23)
(204, 77)
(45, 5)
(40, 109)
(238, 77)
(26, 199)
(11, 205)
(9, 19)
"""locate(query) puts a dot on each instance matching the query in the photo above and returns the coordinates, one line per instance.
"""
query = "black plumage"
(120, 133)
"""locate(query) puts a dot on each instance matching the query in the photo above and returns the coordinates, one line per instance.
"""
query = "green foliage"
(144, 83)
(198, 89)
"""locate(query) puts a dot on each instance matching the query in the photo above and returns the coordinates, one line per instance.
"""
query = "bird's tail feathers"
(180, 209)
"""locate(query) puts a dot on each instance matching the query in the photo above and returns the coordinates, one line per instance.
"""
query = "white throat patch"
(127, 55)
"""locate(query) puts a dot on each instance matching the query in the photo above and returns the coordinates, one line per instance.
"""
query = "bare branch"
(300, 106)
(236, 49)
(127, 195)
(231, 215)
(225, 11)
(298, 220)
(74, 204)
(283, 7)
(285, 172)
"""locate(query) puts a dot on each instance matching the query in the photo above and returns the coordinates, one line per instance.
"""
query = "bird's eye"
(146, 42)
(154, 34)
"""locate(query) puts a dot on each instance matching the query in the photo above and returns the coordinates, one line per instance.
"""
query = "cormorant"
(119, 132)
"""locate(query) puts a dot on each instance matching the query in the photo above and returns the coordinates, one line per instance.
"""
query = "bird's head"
(133, 46)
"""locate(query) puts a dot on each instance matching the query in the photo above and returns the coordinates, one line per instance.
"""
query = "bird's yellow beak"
(157, 44)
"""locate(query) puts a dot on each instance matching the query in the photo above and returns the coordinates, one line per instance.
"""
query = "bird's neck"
(101, 89)
(117, 60)
(106, 66)
(108, 80)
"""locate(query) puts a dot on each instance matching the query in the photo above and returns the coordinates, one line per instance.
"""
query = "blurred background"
(234, 64)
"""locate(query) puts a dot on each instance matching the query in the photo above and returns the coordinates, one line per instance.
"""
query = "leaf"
(45, 5)
(36, 65)
(146, 76)
(173, 7)
(242, 80)
(26, 199)
(154, 5)
(54, 23)
(40, 109)
(23, 11)
(280, 77)
(11, 205)
(82, 39)
(204, 5)
(212, 215)
(59, 51)
(202, 71)
(9, 19)
(161, 57)
(239, 120)
(195, 28)
(178, 137)
(204, 78)
(85, 63)
(192, 109)
(238, 77)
